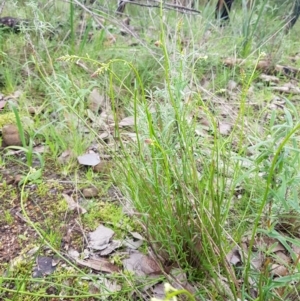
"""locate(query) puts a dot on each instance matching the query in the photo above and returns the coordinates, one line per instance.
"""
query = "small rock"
(9, 180)
(34, 110)
(11, 136)
(126, 21)
(90, 192)
(102, 167)
(18, 178)
(95, 101)
(232, 85)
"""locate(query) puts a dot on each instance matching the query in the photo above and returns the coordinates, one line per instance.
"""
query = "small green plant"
(27, 144)
(8, 218)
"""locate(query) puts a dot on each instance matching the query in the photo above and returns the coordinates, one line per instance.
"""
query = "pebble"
(102, 167)
(10, 136)
(90, 192)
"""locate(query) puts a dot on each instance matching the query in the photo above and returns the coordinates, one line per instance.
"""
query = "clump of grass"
(182, 186)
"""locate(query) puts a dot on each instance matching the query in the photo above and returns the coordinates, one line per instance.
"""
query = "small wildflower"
(169, 288)
(102, 69)
(149, 141)
(158, 43)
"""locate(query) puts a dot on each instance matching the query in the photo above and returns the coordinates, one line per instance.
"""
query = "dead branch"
(168, 6)
(2, 6)
(265, 66)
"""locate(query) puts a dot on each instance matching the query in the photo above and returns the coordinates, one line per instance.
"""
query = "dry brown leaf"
(99, 264)
(115, 244)
(257, 260)
(234, 256)
(100, 238)
(73, 253)
(141, 264)
(281, 258)
(44, 266)
(111, 285)
(232, 85)
(224, 128)
(277, 247)
(269, 78)
(2, 104)
(90, 159)
(132, 244)
(278, 270)
(65, 157)
(296, 249)
(158, 291)
(180, 277)
(136, 235)
(263, 65)
(96, 101)
(40, 149)
(110, 40)
(15, 95)
(127, 121)
(72, 205)
(288, 88)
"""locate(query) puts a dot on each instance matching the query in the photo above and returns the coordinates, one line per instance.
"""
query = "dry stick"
(263, 65)
(2, 6)
(165, 5)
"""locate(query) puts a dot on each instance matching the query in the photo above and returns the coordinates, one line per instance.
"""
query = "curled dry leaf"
(115, 244)
(99, 239)
(44, 266)
(234, 256)
(132, 244)
(136, 235)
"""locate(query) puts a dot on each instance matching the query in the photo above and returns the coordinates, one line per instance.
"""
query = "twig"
(2, 6)
(169, 6)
